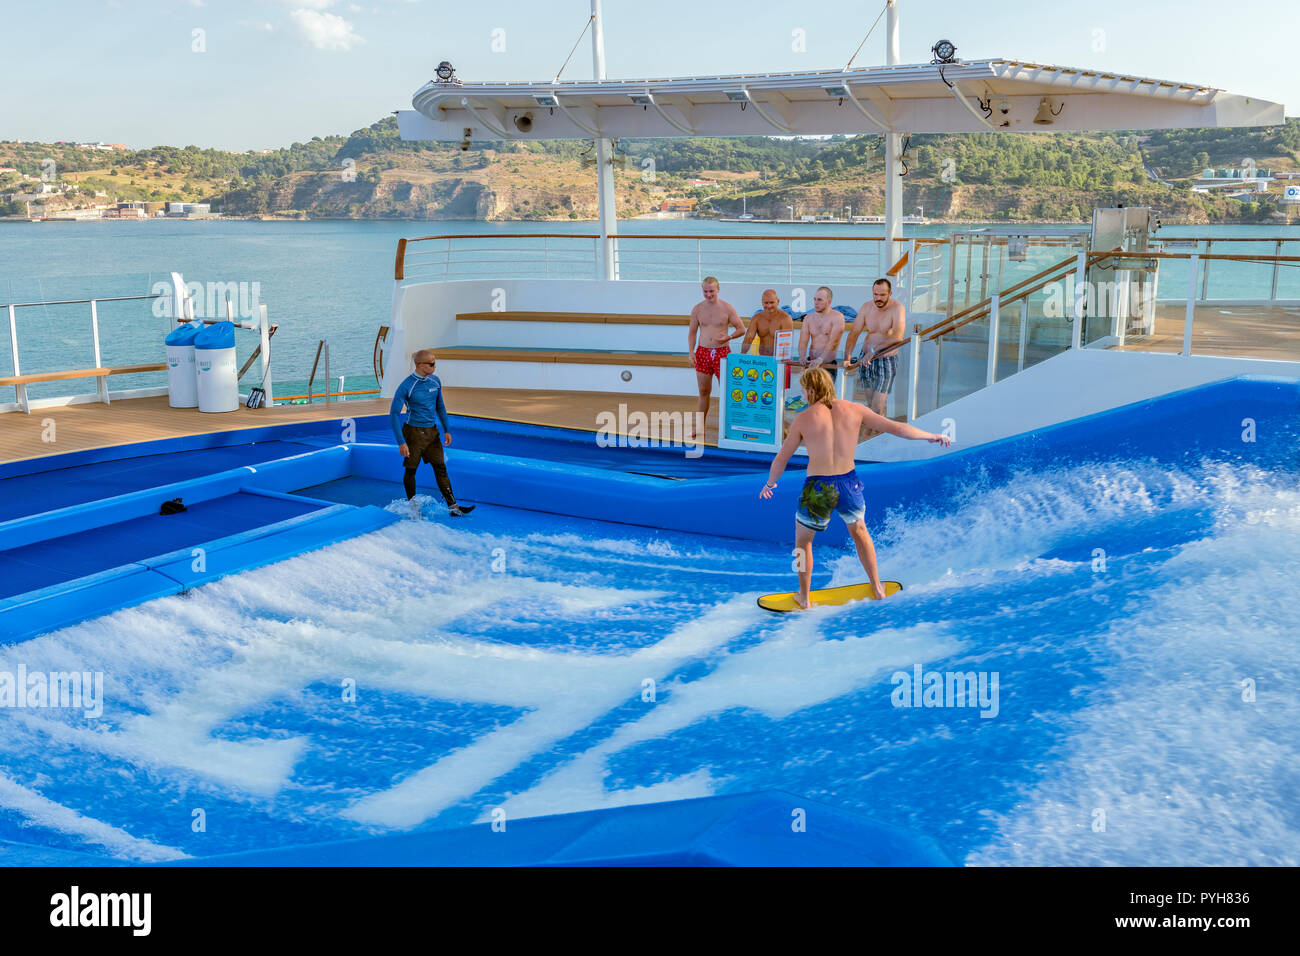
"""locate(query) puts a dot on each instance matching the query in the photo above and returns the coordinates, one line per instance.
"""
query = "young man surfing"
(418, 438)
(711, 320)
(829, 431)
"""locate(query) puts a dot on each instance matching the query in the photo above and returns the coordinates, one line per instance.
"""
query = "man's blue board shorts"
(824, 494)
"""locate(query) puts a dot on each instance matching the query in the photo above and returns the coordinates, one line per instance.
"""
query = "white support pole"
(1024, 333)
(101, 383)
(264, 333)
(990, 372)
(179, 298)
(1080, 291)
(893, 193)
(1116, 322)
(604, 159)
(893, 146)
(915, 371)
(19, 390)
(911, 276)
(891, 33)
(1190, 315)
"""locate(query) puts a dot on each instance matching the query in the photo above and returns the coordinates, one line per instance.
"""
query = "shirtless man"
(766, 324)
(884, 321)
(829, 430)
(711, 320)
(819, 342)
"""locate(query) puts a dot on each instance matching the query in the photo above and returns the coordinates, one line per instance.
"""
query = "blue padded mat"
(33, 494)
(96, 549)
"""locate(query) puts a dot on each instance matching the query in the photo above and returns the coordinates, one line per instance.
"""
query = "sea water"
(1129, 627)
(333, 281)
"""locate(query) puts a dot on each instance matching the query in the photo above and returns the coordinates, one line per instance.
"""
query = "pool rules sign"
(751, 403)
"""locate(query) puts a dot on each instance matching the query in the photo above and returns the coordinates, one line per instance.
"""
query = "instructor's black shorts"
(423, 444)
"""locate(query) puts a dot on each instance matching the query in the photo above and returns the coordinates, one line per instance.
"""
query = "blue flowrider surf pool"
(1085, 666)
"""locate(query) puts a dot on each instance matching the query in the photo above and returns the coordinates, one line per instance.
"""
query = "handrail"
(1258, 260)
(981, 309)
(257, 350)
(109, 298)
(364, 391)
(399, 267)
(312, 379)
(979, 305)
(101, 387)
(1227, 239)
(377, 359)
(1047, 276)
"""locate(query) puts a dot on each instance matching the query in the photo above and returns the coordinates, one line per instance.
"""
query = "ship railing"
(322, 384)
(141, 376)
(94, 368)
(1097, 300)
(1228, 281)
(782, 258)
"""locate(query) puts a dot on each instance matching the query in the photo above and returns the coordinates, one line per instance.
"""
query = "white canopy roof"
(921, 98)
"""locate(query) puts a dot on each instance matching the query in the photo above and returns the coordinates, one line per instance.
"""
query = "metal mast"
(893, 148)
(604, 159)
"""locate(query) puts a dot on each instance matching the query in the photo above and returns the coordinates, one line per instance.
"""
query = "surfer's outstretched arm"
(880, 423)
(792, 442)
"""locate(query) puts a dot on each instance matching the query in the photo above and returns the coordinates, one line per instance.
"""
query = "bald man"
(418, 438)
(766, 324)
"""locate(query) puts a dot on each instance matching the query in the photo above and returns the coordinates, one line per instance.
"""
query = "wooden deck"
(1236, 331)
(55, 431)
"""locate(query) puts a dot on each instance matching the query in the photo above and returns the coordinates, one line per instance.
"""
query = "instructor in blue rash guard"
(418, 439)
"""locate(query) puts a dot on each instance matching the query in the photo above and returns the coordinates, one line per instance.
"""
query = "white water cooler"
(214, 362)
(182, 388)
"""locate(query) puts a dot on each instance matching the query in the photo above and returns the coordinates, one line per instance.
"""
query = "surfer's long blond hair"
(817, 383)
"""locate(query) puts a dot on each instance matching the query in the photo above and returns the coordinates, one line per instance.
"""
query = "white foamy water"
(1188, 753)
(508, 657)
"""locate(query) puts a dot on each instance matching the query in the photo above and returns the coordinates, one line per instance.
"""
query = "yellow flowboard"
(850, 592)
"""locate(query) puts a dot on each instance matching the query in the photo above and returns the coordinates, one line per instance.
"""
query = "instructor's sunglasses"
(426, 363)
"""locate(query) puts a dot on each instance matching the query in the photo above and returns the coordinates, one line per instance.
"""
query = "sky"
(252, 74)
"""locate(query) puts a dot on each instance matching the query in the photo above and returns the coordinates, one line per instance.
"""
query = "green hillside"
(373, 174)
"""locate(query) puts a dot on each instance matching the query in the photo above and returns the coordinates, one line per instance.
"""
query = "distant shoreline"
(778, 222)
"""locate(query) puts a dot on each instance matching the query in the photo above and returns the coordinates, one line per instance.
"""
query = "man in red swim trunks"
(711, 320)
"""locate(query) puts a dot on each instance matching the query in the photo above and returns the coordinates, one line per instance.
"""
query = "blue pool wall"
(1183, 428)
(768, 828)
(67, 565)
